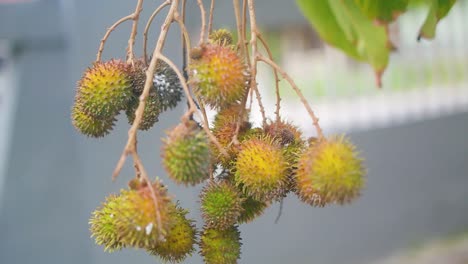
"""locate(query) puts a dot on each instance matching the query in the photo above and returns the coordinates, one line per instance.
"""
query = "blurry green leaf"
(343, 25)
(323, 19)
(438, 10)
(384, 11)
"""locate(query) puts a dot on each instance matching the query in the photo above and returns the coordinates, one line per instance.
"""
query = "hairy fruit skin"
(220, 246)
(330, 171)
(222, 37)
(129, 219)
(261, 168)
(219, 76)
(150, 114)
(186, 154)
(220, 205)
(252, 209)
(89, 125)
(180, 239)
(105, 89)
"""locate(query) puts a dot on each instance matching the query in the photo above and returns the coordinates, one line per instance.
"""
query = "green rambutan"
(220, 205)
(330, 171)
(261, 168)
(89, 125)
(105, 89)
(130, 219)
(219, 76)
(252, 209)
(220, 246)
(222, 37)
(150, 114)
(186, 154)
(180, 239)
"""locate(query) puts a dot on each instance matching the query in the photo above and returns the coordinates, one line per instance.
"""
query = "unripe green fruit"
(219, 76)
(180, 239)
(150, 114)
(220, 205)
(105, 89)
(330, 171)
(186, 154)
(222, 37)
(252, 209)
(129, 219)
(220, 246)
(89, 125)
(261, 168)
(167, 86)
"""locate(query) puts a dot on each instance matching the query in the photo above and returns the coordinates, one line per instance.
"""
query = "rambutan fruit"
(130, 219)
(225, 125)
(180, 239)
(150, 114)
(89, 125)
(167, 86)
(220, 246)
(219, 76)
(330, 171)
(186, 154)
(222, 37)
(252, 209)
(220, 204)
(105, 89)
(261, 168)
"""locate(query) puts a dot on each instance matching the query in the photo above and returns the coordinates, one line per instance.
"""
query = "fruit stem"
(147, 27)
(131, 40)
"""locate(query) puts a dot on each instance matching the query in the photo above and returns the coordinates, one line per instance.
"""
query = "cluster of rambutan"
(109, 87)
(248, 170)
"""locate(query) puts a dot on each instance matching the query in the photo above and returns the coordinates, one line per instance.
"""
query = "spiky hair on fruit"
(219, 76)
(221, 37)
(330, 171)
(150, 114)
(180, 239)
(224, 128)
(285, 132)
(105, 89)
(252, 209)
(186, 154)
(130, 218)
(261, 168)
(168, 86)
(89, 125)
(220, 246)
(220, 204)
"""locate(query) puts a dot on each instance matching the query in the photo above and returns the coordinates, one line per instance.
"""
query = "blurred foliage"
(359, 27)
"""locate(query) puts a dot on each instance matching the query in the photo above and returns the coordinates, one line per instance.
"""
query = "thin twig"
(131, 40)
(280, 211)
(193, 106)
(108, 32)
(130, 147)
(298, 92)
(253, 63)
(210, 22)
(277, 80)
(203, 22)
(147, 27)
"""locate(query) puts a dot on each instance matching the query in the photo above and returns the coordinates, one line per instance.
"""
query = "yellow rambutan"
(220, 246)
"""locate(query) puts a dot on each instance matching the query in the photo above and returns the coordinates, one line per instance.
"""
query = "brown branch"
(203, 22)
(277, 80)
(210, 22)
(147, 27)
(298, 92)
(108, 32)
(131, 40)
(253, 63)
(130, 147)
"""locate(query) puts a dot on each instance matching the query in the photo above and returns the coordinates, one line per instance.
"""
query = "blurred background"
(412, 134)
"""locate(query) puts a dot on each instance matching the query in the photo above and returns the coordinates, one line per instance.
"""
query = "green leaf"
(342, 24)
(383, 11)
(438, 9)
